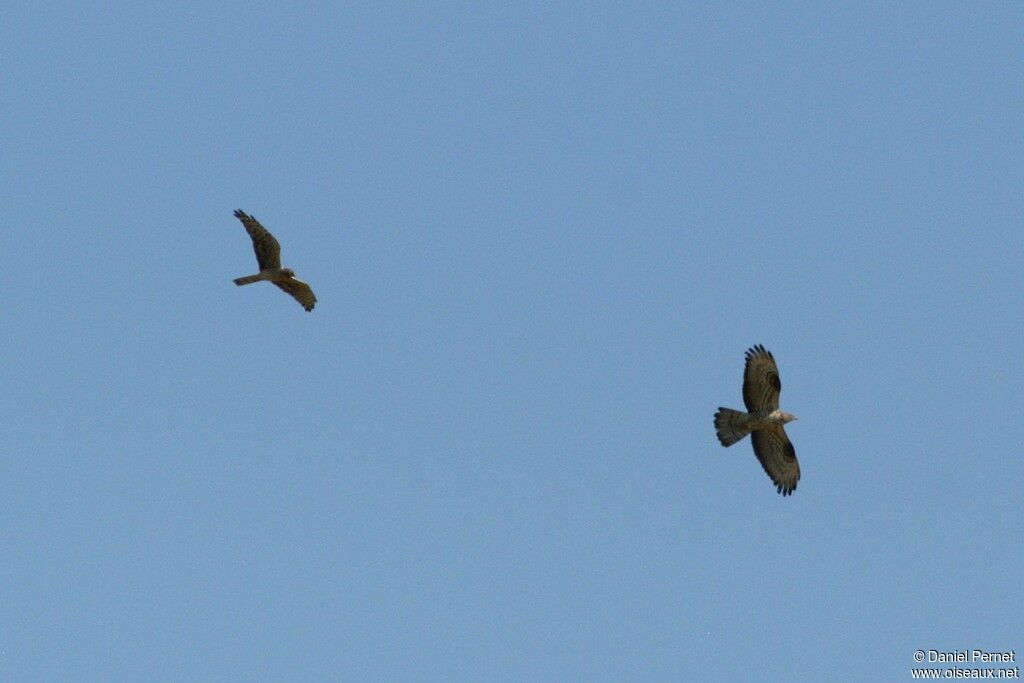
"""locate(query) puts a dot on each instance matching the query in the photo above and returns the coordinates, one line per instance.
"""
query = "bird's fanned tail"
(731, 425)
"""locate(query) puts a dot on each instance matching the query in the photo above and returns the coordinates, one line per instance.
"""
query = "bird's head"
(788, 417)
(287, 272)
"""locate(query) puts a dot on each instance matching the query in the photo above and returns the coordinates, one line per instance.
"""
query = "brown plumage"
(268, 257)
(763, 421)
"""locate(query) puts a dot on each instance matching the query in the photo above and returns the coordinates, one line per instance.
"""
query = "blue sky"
(542, 236)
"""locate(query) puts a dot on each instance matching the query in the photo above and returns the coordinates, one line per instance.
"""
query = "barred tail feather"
(730, 425)
(248, 279)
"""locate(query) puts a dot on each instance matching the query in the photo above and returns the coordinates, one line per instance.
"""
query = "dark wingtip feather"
(243, 216)
(758, 350)
(785, 491)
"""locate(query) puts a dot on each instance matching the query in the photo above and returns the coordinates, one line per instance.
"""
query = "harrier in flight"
(268, 256)
(763, 421)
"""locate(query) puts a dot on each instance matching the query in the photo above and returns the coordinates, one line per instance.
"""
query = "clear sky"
(542, 236)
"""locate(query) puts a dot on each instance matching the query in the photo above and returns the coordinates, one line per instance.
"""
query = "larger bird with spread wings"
(268, 257)
(763, 421)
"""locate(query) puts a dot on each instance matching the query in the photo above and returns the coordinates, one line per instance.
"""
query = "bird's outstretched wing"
(761, 385)
(299, 290)
(268, 251)
(778, 457)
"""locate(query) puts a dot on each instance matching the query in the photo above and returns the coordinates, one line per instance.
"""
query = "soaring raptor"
(268, 256)
(763, 421)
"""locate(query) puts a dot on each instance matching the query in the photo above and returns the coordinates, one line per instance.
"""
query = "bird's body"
(268, 257)
(763, 420)
(733, 425)
(268, 275)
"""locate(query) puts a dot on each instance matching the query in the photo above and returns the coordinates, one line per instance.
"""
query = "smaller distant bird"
(763, 421)
(268, 256)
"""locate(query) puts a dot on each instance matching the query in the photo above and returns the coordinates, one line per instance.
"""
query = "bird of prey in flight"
(268, 257)
(763, 421)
